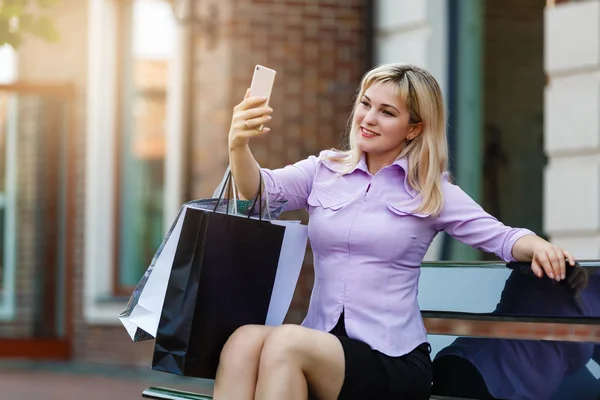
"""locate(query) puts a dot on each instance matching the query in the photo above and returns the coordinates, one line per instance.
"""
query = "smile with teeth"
(367, 133)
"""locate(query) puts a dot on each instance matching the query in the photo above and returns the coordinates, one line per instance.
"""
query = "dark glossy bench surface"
(518, 368)
(511, 292)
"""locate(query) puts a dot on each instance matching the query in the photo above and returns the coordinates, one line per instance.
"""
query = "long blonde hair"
(427, 154)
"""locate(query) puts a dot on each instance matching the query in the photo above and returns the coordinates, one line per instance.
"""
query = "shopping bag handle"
(258, 196)
(229, 182)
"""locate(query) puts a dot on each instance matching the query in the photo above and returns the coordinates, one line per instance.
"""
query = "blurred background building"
(107, 130)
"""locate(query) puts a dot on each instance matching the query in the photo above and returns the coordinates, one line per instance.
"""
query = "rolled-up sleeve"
(465, 220)
(292, 183)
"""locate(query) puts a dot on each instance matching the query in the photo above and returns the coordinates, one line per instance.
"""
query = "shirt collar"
(401, 163)
(362, 164)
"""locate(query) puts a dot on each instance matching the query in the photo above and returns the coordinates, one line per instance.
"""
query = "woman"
(374, 211)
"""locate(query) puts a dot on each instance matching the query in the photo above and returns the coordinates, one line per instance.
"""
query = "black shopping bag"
(222, 278)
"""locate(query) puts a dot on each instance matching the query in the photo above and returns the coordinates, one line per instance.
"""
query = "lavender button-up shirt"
(368, 245)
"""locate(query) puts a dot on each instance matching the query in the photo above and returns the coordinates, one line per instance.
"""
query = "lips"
(368, 133)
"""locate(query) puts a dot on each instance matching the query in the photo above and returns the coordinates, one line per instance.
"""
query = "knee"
(282, 345)
(243, 346)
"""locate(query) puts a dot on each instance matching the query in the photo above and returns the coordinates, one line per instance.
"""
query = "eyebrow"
(384, 105)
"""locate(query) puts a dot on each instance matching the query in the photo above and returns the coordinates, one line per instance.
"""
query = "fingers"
(254, 123)
(558, 263)
(250, 102)
(250, 133)
(254, 113)
(553, 261)
(248, 117)
(545, 264)
(536, 268)
(569, 258)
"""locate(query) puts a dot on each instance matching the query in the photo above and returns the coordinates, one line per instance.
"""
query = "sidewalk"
(54, 381)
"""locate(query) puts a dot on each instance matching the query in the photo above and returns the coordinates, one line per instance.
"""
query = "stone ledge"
(571, 115)
(572, 36)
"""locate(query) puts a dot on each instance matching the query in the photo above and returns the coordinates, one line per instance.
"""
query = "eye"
(388, 113)
(365, 103)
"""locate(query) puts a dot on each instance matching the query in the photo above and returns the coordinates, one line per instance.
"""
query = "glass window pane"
(3, 118)
(2, 257)
(3, 135)
(143, 140)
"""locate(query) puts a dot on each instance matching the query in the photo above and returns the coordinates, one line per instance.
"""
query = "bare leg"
(238, 366)
(295, 358)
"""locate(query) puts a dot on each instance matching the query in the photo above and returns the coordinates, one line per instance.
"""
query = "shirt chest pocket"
(329, 222)
(405, 210)
(322, 198)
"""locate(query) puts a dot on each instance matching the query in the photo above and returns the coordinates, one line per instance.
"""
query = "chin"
(366, 147)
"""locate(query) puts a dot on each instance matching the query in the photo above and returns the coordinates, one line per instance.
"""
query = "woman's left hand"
(550, 259)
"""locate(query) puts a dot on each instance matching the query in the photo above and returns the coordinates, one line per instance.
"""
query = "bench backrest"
(537, 336)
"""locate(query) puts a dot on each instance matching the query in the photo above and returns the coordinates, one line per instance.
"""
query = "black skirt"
(371, 374)
(457, 377)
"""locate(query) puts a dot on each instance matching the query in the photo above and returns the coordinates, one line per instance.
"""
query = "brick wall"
(318, 49)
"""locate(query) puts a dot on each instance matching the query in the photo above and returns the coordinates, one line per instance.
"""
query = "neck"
(376, 162)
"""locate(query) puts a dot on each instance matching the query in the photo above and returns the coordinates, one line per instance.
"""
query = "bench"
(163, 393)
(506, 312)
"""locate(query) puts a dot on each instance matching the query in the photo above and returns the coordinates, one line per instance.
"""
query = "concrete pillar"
(572, 127)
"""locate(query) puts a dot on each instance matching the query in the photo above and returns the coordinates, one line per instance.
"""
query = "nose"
(371, 118)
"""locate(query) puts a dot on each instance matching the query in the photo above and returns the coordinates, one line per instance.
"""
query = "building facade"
(107, 132)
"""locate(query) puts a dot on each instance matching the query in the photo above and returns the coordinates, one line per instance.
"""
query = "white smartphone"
(262, 83)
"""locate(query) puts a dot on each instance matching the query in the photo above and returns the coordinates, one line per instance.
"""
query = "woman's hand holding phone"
(248, 117)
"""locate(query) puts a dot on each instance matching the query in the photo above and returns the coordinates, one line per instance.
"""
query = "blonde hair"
(427, 154)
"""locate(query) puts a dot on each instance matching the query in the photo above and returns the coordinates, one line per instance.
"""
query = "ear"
(415, 130)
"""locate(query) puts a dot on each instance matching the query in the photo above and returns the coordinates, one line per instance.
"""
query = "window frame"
(102, 303)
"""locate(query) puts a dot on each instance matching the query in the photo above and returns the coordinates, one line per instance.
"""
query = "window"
(146, 54)
(3, 153)
(136, 105)
(7, 183)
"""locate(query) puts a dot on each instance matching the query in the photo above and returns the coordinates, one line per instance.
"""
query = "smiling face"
(400, 112)
(383, 123)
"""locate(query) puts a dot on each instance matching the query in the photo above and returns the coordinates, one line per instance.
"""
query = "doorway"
(37, 217)
(497, 111)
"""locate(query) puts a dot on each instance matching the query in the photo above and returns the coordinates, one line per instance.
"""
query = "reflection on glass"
(2, 251)
(3, 135)
(143, 141)
(485, 368)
